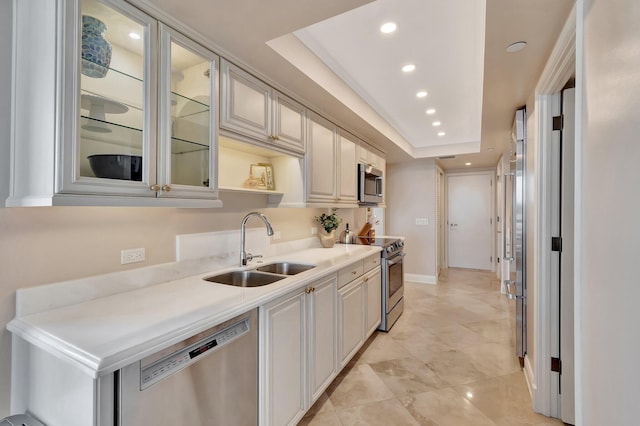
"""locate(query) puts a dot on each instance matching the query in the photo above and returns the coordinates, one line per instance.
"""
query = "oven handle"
(391, 261)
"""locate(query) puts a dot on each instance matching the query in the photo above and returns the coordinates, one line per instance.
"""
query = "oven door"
(395, 281)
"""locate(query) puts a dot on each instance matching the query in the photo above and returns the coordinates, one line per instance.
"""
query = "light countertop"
(108, 333)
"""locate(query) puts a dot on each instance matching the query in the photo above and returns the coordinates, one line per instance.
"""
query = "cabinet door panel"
(246, 101)
(113, 151)
(348, 170)
(351, 320)
(374, 300)
(322, 337)
(289, 123)
(321, 154)
(285, 360)
(187, 146)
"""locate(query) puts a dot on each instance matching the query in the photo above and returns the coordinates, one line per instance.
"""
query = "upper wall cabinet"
(107, 117)
(252, 108)
(348, 167)
(188, 149)
(330, 164)
(321, 160)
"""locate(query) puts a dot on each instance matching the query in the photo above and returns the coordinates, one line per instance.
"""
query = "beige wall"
(410, 195)
(608, 293)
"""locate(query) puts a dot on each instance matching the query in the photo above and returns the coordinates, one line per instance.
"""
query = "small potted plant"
(328, 224)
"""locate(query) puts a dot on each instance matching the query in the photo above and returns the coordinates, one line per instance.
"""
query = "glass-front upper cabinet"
(110, 108)
(187, 125)
(116, 132)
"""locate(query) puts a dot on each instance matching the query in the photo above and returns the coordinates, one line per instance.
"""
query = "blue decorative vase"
(96, 50)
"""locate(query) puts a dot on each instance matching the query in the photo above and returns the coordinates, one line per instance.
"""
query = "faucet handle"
(250, 256)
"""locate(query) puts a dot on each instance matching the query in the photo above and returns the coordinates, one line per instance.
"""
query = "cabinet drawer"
(371, 262)
(350, 273)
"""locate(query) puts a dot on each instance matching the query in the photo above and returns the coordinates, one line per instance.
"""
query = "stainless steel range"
(391, 255)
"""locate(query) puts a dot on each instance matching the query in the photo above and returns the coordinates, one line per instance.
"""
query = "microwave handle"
(379, 186)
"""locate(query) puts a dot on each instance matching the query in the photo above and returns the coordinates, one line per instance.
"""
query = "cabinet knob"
(166, 188)
(313, 289)
(366, 280)
(354, 272)
(155, 187)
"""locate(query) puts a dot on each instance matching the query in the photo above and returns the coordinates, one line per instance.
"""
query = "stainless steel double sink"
(260, 276)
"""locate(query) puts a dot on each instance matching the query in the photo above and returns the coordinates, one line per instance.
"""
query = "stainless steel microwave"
(370, 181)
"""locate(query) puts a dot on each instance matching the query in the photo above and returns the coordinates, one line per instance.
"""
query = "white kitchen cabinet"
(348, 176)
(298, 351)
(369, 155)
(359, 305)
(331, 164)
(373, 295)
(322, 340)
(321, 160)
(289, 123)
(98, 105)
(351, 308)
(188, 149)
(283, 360)
(252, 108)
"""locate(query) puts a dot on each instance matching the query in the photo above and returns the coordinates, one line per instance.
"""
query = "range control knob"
(400, 243)
(389, 249)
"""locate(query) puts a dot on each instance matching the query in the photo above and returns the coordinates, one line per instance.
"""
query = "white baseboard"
(423, 279)
(529, 377)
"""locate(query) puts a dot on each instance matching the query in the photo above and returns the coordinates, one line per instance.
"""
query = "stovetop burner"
(389, 245)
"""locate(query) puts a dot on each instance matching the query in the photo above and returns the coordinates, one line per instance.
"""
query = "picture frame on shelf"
(263, 173)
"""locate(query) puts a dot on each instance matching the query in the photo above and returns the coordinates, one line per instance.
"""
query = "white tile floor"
(449, 360)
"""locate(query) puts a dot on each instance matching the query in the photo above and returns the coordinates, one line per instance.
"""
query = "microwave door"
(379, 186)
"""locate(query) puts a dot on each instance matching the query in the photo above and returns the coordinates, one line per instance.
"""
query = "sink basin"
(245, 278)
(285, 268)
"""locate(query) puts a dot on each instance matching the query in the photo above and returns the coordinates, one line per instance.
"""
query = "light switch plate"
(422, 221)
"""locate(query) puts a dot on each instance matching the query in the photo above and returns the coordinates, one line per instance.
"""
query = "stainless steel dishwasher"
(208, 379)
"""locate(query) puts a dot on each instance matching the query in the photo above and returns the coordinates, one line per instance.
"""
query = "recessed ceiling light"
(436, 123)
(421, 94)
(516, 47)
(408, 68)
(467, 164)
(431, 111)
(134, 36)
(441, 133)
(388, 27)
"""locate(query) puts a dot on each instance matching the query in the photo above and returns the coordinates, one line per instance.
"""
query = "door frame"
(560, 66)
(483, 171)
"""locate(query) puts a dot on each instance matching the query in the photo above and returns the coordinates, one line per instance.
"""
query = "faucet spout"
(244, 257)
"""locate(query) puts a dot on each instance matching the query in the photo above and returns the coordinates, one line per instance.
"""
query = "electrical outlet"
(422, 221)
(314, 230)
(276, 235)
(132, 256)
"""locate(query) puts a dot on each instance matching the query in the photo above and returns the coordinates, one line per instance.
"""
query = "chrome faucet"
(244, 256)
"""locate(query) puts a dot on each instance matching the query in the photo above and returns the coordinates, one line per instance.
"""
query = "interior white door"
(470, 224)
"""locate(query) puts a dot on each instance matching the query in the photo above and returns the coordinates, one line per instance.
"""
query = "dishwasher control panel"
(178, 360)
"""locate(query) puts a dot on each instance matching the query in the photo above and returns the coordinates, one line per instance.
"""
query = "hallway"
(449, 360)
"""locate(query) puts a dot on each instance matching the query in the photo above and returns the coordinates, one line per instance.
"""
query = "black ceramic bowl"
(116, 166)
